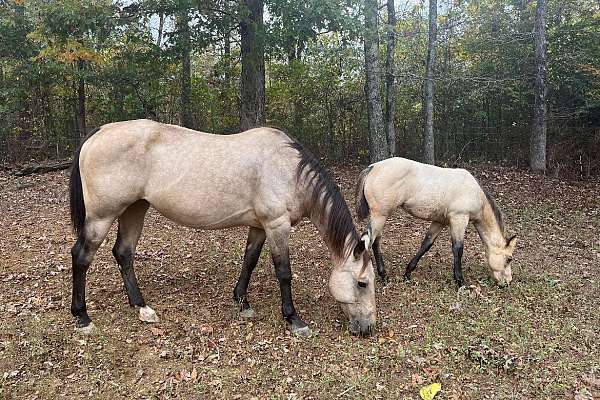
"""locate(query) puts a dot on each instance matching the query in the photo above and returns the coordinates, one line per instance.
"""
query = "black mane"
(325, 195)
(496, 210)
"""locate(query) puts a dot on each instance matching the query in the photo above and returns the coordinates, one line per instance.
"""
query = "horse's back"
(424, 191)
(194, 178)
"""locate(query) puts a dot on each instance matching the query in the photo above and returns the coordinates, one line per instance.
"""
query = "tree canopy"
(126, 57)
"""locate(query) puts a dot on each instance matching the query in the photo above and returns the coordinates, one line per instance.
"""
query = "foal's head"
(352, 284)
(499, 259)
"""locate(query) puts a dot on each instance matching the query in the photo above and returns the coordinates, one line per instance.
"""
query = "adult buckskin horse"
(259, 178)
(445, 196)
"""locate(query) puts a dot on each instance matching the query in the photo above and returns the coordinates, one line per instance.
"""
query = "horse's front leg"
(254, 245)
(278, 237)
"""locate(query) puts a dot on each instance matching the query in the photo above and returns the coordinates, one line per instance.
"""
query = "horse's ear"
(511, 242)
(359, 249)
(366, 238)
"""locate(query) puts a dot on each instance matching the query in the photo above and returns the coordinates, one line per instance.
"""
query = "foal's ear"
(511, 242)
(359, 249)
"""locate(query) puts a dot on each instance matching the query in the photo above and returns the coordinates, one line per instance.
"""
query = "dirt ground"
(540, 338)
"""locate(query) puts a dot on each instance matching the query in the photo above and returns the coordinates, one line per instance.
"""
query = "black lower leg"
(457, 252)
(80, 264)
(425, 246)
(125, 257)
(254, 247)
(284, 276)
(379, 259)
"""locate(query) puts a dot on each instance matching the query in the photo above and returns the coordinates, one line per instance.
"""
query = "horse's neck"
(488, 228)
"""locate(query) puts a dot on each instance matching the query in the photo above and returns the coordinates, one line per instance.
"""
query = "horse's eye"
(362, 284)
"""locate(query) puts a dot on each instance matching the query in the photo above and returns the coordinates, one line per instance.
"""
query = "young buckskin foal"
(259, 178)
(446, 197)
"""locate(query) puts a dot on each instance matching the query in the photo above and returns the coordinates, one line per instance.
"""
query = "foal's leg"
(254, 244)
(432, 233)
(82, 254)
(131, 222)
(278, 234)
(458, 225)
(376, 224)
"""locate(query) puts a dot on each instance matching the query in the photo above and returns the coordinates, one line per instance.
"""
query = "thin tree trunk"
(81, 126)
(537, 156)
(186, 80)
(390, 79)
(161, 24)
(378, 144)
(227, 55)
(428, 138)
(252, 108)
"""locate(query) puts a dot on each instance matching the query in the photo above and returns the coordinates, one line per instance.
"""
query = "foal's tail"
(76, 190)
(362, 206)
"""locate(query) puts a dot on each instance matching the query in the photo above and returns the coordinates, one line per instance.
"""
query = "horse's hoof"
(406, 277)
(299, 328)
(301, 332)
(85, 330)
(248, 313)
(148, 315)
(384, 279)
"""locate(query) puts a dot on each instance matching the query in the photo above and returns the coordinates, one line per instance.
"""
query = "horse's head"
(499, 258)
(352, 284)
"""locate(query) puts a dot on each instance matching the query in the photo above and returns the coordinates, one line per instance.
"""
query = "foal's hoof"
(384, 279)
(248, 313)
(148, 315)
(299, 328)
(85, 330)
(406, 277)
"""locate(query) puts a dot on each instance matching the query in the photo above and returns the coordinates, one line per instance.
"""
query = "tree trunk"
(378, 145)
(428, 138)
(81, 127)
(390, 79)
(227, 55)
(161, 24)
(252, 108)
(537, 156)
(186, 80)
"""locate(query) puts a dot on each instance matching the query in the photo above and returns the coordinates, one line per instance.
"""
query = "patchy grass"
(537, 339)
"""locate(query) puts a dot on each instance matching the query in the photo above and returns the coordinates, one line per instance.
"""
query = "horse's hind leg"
(376, 224)
(432, 233)
(131, 222)
(82, 253)
(254, 245)
(458, 225)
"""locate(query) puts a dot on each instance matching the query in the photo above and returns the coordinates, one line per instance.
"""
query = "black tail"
(362, 206)
(76, 191)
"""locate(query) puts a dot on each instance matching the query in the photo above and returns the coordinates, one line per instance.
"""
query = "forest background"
(220, 66)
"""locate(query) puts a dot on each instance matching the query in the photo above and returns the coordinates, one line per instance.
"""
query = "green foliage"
(315, 75)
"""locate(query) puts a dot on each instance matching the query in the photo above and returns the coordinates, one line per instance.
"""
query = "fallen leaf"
(156, 331)
(428, 392)
(206, 329)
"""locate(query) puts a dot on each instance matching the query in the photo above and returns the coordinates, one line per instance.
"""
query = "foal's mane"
(497, 212)
(326, 202)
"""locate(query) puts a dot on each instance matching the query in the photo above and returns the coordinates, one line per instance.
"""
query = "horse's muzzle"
(362, 328)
